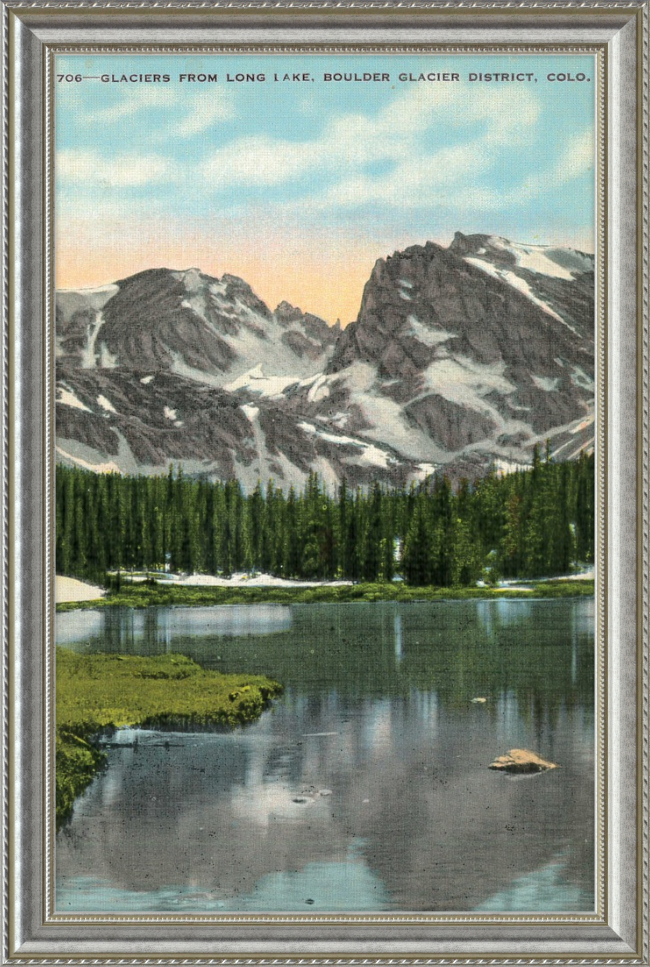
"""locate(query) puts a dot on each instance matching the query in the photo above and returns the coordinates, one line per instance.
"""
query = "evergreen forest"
(531, 523)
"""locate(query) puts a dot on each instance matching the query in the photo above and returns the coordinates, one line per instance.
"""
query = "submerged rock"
(521, 761)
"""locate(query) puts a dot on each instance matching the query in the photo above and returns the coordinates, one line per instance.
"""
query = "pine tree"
(529, 523)
(416, 559)
(388, 540)
(373, 537)
(511, 556)
(291, 543)
(342, 527)
(442, 533)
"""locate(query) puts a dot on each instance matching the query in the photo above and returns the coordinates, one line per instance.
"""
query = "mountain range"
(460, 358)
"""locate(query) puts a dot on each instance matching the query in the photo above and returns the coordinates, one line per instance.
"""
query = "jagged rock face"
(483, 344)
(306, 335)
(429, 303)
(561, 278)
(187, 322)
(460, 357)
(122, 419)
(453, 425)
(157, 418)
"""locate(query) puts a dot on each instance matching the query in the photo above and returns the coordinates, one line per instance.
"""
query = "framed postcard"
(326, 449)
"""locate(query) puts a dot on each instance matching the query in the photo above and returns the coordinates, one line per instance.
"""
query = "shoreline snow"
(243, 580)
(67, 590)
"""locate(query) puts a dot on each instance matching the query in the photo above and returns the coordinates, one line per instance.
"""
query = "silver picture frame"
(618, 931)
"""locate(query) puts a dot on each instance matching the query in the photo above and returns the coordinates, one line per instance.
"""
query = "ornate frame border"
(30, 32)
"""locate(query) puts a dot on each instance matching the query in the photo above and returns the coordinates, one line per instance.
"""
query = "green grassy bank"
(95, 693)
(146, 595)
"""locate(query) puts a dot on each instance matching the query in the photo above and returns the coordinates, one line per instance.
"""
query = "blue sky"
(299, 186)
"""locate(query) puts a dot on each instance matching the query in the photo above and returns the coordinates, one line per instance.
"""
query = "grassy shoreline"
(96, 694)
(147, 595)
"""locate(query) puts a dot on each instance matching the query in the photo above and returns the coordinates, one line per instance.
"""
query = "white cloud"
(132, 102)
(349, 143)
(578, 158)
(408, 187)
(258, 161)
(205, 111)
(197, 112)
(87, 168)
(445, 146)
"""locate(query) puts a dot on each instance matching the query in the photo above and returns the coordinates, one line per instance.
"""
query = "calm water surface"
(366, 787)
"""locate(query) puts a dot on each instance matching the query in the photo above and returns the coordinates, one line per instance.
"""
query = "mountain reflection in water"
(369, 777)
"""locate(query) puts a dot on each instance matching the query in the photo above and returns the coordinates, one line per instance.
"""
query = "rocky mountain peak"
(206, 328)
(287, 313)
(468, 244)
(459, 357)
(485, 345)
(237, 290)
(191, 278)
(526, 259)
(305, 334)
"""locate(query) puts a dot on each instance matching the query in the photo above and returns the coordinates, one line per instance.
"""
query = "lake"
(366, 787)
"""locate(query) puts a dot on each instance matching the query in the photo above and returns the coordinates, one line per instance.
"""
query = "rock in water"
(522, 761)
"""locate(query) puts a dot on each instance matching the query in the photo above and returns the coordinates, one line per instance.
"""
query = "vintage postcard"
(325, 445)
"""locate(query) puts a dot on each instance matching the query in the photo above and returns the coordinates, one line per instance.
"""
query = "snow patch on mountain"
(106, 404)
(516, 281)
(563, 263)
(251, 412)
(338, 420)
(384, 419)
(375, 457)
(110, 467)
(319, 390)
(463, 381)
(254, 381)
(68, 398)
(368, 454)
(106, 359)
(425, 334)
(88, 353)
(425, 470)
(545, 383)
(96, 297)
(522, 286)
(582, 379)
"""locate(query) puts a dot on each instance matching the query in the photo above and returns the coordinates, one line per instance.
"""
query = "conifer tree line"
(534, 522)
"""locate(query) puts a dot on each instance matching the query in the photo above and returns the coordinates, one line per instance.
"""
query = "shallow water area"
(366, 787)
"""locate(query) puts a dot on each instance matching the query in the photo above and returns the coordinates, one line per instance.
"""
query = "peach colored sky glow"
(321, 277)
(298, 188)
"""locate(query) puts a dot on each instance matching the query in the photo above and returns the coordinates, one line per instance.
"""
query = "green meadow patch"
(98, 693)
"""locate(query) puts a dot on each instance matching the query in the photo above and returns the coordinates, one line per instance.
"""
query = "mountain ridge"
(460, 358)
